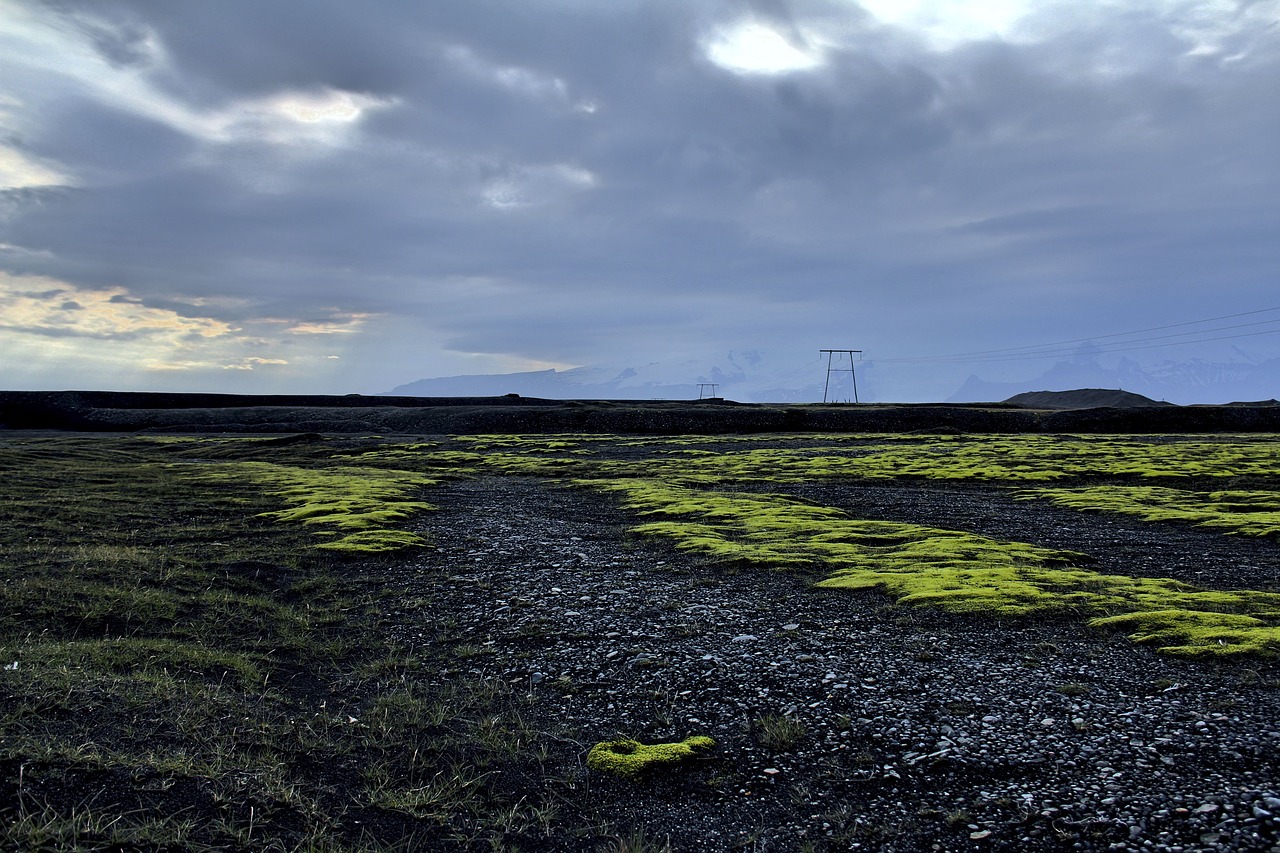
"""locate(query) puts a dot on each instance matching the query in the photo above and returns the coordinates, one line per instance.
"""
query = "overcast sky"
(324, 196)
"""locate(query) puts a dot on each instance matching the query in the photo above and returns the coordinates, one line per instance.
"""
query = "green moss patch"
(1027, 458)
(361, 503)
(631, 758)
(1007, 458)
(1250, 513)
(957, 571)
(784, 532)
(1201, 633)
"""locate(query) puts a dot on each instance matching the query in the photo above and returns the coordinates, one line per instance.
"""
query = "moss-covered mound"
(630, 758)
(1249, 513)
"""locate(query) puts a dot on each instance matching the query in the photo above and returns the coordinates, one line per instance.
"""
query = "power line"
(1046, 353)
(1041, 350)
(805, 368)
(1100, 351)
(1120, 334)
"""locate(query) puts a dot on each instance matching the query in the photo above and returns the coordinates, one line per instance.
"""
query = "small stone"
(791, 626)
(745, 638)
(771, 771)
(980, 834)
(1206, 808)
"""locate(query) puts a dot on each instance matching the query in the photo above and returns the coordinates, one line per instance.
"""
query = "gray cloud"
(574, 182)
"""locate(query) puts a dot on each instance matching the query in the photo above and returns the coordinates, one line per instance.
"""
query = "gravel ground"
(1117, 543)
(912, 729)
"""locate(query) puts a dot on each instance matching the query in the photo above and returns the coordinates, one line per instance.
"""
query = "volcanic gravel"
(1113, 543)
(920, 730)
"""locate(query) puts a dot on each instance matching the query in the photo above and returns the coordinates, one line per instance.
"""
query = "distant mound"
(1086, 398)
(1257, 404)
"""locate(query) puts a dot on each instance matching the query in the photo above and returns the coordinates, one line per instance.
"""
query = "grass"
(779, 732)
(143, 648)
(184, 669)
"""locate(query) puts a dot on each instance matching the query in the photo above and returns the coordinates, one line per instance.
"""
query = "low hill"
(1085, 398)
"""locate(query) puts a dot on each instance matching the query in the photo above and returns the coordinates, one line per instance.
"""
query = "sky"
(315, 196)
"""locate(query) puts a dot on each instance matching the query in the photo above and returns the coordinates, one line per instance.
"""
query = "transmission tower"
(832, 368)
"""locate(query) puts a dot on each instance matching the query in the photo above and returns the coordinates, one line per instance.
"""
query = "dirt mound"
(1085, 398)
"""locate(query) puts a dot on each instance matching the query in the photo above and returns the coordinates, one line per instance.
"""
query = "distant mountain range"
(755, 377)
(746, 377)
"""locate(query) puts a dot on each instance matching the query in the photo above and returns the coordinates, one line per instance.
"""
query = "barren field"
(879, 642)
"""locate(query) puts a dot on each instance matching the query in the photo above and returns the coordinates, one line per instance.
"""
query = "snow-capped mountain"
(743, 376)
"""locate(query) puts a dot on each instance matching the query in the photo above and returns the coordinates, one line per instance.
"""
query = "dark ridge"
(1085, 398)
(107, 411)
(1257, 404)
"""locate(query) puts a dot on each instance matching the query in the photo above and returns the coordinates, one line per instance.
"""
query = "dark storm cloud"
(106, 142)
(595, 165)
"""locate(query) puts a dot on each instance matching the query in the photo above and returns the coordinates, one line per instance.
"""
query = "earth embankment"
(107, 411)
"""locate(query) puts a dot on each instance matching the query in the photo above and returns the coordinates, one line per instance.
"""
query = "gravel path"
(916, 730)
